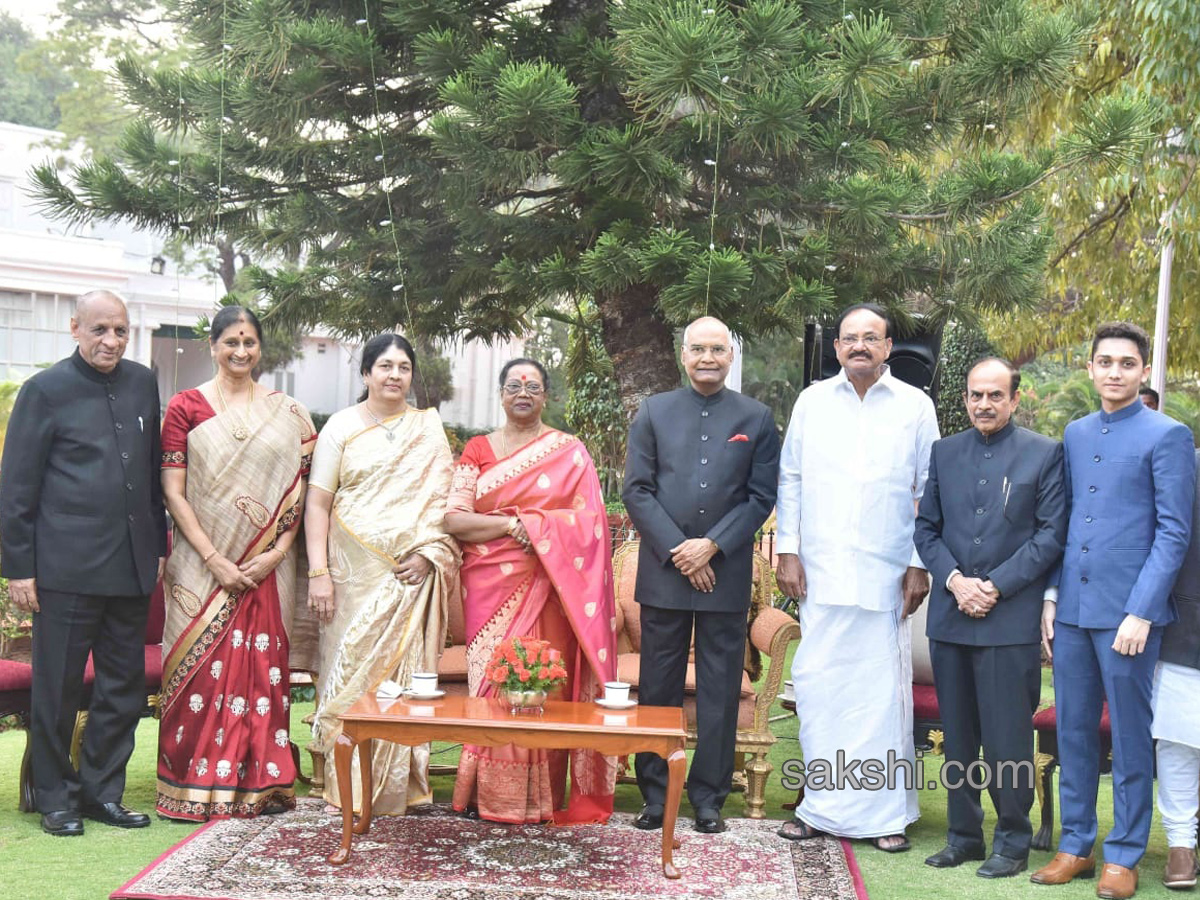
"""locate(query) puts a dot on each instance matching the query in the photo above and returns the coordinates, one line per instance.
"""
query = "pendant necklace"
(390, 432)
(240, 431)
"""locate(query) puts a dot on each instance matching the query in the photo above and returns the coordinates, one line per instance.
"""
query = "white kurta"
(1176, 704)
(1177, 729)
(851, 472)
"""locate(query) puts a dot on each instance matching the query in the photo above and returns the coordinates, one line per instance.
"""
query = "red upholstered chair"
(927, 719)
(16, 682)
(1045, 727)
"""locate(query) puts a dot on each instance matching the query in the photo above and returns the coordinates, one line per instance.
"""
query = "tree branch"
(1011, 195)
(1113, 216)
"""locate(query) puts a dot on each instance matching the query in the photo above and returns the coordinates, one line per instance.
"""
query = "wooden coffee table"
(481, 720)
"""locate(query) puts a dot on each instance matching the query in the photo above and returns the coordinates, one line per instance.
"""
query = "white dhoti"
(853, 683)
(1177, 729)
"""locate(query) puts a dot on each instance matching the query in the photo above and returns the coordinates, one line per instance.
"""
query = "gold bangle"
(513, 522)
(282, 552)
(316, 573)
(210, 555)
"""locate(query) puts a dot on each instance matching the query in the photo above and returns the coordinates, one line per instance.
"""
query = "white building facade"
(44, 266)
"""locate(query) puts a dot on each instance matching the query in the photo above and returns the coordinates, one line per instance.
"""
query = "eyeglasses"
(532, 388)
(701, 349)
(871, 340)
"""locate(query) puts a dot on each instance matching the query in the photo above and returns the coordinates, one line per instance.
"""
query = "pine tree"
(452, 166)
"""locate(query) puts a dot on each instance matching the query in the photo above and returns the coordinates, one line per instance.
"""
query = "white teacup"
(789, 691)
(424, 682)
(616, 692)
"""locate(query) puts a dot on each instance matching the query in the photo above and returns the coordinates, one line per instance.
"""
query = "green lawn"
(90, 867)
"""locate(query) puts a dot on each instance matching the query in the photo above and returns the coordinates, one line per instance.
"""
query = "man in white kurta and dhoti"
(853, 467)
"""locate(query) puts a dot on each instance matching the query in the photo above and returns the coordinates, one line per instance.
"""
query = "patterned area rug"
(432, 854)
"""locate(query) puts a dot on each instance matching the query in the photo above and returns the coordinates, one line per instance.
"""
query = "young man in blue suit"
(1130, 480)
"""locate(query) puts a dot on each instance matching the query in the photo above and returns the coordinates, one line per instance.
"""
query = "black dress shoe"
(709, 821)
(998, 866)
(950, 856)
(62, 823)
(115, 814)
(650, 818)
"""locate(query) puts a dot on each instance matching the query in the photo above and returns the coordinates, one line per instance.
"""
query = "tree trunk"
(226, 267)
(640, 343)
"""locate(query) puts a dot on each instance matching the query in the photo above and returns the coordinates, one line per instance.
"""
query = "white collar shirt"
(850, 474)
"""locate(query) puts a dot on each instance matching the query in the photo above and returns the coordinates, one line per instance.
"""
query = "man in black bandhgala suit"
(82, 542)
(700, 480)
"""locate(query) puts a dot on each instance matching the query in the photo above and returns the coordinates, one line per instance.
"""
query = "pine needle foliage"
(452, 166)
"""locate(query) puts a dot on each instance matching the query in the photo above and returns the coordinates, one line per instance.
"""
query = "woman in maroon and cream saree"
(235, 458)
(526, 506)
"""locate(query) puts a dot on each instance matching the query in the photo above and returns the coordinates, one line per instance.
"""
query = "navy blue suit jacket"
(1131, 476)
(995, 508)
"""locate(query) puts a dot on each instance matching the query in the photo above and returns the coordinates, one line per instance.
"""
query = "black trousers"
(68, 627)
(987, 697)
(720, 655)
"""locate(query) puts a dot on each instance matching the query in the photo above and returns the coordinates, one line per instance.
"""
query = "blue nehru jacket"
(1131, 477)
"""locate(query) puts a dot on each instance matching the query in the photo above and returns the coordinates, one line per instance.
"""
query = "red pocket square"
(737, 438)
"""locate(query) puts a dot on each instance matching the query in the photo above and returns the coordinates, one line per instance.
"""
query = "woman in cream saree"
(383, 566)
(234, 462)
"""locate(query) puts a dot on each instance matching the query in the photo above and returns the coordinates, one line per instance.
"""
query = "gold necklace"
(240, 431)
(508, 449)
(390, 432)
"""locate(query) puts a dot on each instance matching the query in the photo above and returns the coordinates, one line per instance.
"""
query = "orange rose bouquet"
(525, 664)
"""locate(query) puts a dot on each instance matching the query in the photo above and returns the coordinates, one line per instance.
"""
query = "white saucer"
(431, 695)
(613, 704)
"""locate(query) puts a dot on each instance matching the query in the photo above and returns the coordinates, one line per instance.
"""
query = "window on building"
(34, 331)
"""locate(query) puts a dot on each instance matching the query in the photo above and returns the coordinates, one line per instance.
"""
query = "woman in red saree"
(527, 507)
(235, 458)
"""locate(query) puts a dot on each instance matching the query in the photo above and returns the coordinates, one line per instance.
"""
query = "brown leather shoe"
(1181, 868)
(1116, 882)
(1064, 867)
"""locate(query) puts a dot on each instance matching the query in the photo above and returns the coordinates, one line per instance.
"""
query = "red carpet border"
(433, 854)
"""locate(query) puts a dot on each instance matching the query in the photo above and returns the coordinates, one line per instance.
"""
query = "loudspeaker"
(914, 358)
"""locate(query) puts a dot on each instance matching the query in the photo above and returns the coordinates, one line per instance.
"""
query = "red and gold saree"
(223, 737)
(561, 591)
